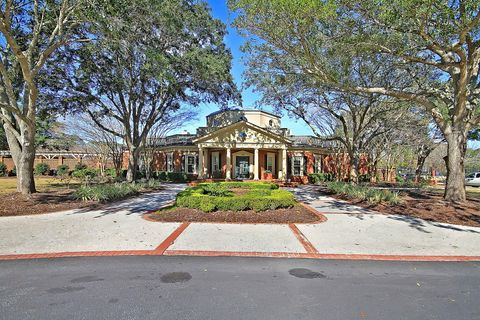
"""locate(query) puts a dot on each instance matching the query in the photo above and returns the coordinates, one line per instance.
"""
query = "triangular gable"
(242, 131)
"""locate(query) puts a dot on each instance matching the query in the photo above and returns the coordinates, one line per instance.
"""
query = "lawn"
(240, 202)
(43, 184)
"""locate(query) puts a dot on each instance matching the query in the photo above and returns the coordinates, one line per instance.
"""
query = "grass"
(363, 193)
(223, 196)
(43, 184)
(472, 192)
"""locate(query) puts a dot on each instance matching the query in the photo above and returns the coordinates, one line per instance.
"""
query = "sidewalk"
(349, 233)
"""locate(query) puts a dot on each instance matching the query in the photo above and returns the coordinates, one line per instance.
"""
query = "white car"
(473, 179)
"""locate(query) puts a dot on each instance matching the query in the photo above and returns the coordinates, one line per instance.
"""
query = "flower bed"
(235, 196)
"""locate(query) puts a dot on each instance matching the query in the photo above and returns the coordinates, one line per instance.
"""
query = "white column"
(284, 164)
(228, 174)
(200, 163)
(206, 163)
(255, 165)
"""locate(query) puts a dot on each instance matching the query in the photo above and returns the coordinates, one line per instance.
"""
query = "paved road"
(236, 288)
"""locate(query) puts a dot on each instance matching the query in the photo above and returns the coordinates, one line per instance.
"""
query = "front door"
(242, 167)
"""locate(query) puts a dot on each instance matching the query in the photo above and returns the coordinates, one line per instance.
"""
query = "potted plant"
(267, 175)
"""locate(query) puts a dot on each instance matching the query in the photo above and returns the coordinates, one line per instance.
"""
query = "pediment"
(242, 132)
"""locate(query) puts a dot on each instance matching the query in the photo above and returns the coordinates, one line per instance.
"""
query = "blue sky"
(234, 41)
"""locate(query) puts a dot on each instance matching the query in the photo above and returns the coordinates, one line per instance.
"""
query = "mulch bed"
(297, 214)
(427, 205)
(16, 204)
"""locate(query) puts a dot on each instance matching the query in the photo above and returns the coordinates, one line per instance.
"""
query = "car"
(473, 179)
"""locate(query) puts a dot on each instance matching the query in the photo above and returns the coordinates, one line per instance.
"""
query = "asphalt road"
(236, 288)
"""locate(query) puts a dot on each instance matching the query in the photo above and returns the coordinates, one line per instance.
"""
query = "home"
(243, 144)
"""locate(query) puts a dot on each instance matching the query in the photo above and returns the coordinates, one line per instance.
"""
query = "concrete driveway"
(118, 227)
(350, 233)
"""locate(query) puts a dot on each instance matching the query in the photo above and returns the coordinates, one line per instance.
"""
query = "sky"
(234, 41)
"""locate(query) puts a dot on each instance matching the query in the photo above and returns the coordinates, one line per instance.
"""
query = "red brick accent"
(171, 238)
(303, 240)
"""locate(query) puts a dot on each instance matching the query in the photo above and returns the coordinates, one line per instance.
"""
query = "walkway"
(350, 232)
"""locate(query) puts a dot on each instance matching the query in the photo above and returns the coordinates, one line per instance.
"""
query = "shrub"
(106, 192)
(87, 173)
(161, 175)
(317, 178)
(364, 178)
(3, 169)
(41, 169)
(62, 170)
(177, 176)
(111, 172)
(80, 166)
(219, 196)
(13, 172)
(399, 179)
(364, 193)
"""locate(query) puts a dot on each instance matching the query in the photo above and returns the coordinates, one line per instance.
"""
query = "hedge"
(218, 196)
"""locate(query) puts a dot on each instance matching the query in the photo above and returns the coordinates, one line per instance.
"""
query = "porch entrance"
(242, 167)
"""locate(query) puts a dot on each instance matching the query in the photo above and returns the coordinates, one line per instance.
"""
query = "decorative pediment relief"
(242, 133)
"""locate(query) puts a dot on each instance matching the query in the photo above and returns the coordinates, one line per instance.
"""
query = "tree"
(31, 32)
(147, 60)
(433, 46)
(158, 132)
(3, 139)
(106, 146)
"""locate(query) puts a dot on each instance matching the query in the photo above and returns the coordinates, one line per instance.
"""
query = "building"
(242, 144)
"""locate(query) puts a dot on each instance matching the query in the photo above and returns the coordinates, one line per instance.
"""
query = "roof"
(309, 141)
(243, 110)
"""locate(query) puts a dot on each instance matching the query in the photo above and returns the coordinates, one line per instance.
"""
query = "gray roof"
(309, 141)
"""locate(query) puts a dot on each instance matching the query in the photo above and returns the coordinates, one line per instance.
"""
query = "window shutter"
(305, 160)
(183, 163)
(220, 161)
(289, 165)
(265, 164)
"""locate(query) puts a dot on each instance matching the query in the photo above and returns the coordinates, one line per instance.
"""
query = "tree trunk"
(132, 171)
(354, 165)
(455, 188)
(418, 170)
(23, 156)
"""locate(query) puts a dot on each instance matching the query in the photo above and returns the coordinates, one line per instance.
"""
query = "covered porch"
(242, 163)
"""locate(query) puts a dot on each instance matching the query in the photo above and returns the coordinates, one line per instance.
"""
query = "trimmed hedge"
(218, 196)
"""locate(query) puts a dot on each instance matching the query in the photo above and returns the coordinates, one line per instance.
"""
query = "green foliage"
(111, 172)
(399, 179)
(161, 175)
(41, 169)
(3, 169)
(219, 196)
(317, 178)
(364, 193)
(86, 173)
(177, 176)
(14, 171)
(80, 166)
(62, 170)
(106, 192)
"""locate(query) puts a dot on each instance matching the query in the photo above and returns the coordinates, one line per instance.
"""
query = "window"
(215, 162)
(190, 164)
(318, 164)
(297, 166)
(478, 175)
(270, 163)
(270, 123)
(170, 162)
